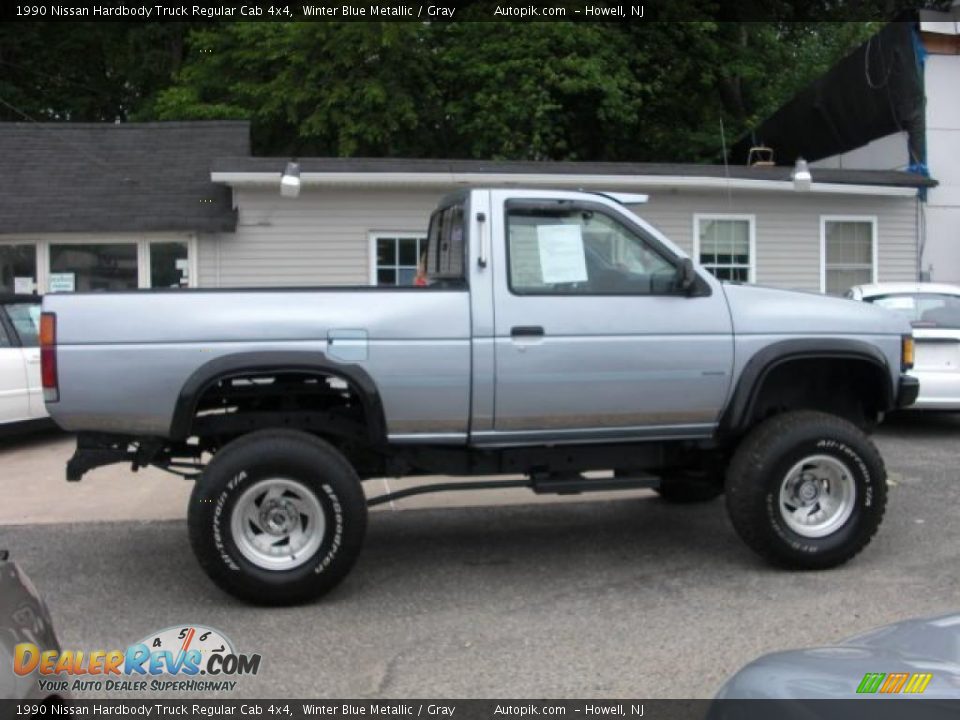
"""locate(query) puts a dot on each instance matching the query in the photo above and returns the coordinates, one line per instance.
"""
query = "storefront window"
(18, 268)
(168, 265)
(93, 267)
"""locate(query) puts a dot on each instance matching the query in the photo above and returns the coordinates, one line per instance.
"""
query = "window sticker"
(562, 258)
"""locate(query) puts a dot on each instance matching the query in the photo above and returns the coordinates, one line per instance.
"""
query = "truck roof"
(618, 197)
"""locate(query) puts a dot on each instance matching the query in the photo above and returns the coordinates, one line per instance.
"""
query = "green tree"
(318, 88)
(584, 91)
(86, 71)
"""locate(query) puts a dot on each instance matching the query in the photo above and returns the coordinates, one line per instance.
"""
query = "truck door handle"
(526, 331)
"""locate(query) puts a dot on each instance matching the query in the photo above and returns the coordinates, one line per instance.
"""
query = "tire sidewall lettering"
(218, 517)
(336, 514)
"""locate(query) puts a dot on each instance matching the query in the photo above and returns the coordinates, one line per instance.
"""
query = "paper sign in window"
(23, 285)
(561, 254)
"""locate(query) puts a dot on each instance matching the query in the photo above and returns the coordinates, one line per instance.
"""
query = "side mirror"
(687, 275)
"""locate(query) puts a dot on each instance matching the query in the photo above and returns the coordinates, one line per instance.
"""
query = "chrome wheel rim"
(278, 524)
(817, 496)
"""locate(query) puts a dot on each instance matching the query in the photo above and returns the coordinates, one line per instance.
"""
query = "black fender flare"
(740, 407)
(269, 362)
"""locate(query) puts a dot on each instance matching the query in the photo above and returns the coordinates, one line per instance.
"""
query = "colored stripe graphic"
(918, 683)
(894, 683)
(871, 682)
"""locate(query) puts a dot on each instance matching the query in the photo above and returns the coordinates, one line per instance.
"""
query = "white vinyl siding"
(323, 237)
(848, 252)
(319, 238)
(788, 230)
(726, 245)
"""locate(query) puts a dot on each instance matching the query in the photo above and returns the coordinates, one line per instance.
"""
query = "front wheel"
(278, 517)
(806, 490)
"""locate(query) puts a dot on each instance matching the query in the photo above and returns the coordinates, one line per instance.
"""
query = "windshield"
(923, 310)
(26, 319)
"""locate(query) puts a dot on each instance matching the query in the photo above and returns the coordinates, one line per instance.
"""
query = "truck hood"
(756, 309)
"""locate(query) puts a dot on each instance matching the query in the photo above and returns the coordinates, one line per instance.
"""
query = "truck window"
(562, 250)
(446, 244)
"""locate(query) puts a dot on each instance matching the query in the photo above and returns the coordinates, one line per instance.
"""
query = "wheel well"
(318, 401)
(853, 388)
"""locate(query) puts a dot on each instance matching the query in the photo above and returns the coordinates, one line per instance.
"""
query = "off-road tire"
(688, 487)
(320, 469)
(760, 466)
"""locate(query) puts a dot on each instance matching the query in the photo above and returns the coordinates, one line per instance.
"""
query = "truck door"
(594, 338)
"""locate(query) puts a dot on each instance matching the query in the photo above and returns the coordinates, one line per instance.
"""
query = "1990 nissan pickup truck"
(559, 333)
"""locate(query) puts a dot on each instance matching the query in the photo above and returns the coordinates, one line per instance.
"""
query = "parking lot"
(521, 597)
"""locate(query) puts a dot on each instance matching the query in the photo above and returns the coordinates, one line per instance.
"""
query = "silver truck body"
(447, 364)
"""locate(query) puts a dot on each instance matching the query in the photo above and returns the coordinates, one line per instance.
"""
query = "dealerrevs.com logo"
(188, 658)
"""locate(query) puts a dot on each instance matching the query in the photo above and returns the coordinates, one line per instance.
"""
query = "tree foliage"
(86, 71)
(584, 91)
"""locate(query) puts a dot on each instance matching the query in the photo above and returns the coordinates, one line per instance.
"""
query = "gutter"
(640, 182)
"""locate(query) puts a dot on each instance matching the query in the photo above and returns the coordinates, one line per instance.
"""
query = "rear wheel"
(277, 518)
(806, 490)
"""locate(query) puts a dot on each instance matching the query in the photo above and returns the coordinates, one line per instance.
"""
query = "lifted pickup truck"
(559, 333)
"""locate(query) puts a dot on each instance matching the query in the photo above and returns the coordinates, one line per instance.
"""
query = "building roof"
(130, 177)
(239, 171)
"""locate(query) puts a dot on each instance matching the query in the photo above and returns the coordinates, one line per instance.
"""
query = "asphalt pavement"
(627, 598)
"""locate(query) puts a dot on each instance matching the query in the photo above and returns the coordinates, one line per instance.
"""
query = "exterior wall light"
(290, 182)
(802, 179)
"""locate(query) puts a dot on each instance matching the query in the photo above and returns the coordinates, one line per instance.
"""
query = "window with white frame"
(395, 258)
(847, 253)
(724, 245)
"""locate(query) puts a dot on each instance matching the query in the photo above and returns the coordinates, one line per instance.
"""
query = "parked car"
(21, 392)
(933, 310)
(913, 659)
(559, 333)
(24, 618)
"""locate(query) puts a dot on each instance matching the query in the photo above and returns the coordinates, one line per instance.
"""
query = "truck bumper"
(907, 391)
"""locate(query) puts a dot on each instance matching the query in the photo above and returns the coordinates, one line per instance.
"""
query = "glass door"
(169, 265)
